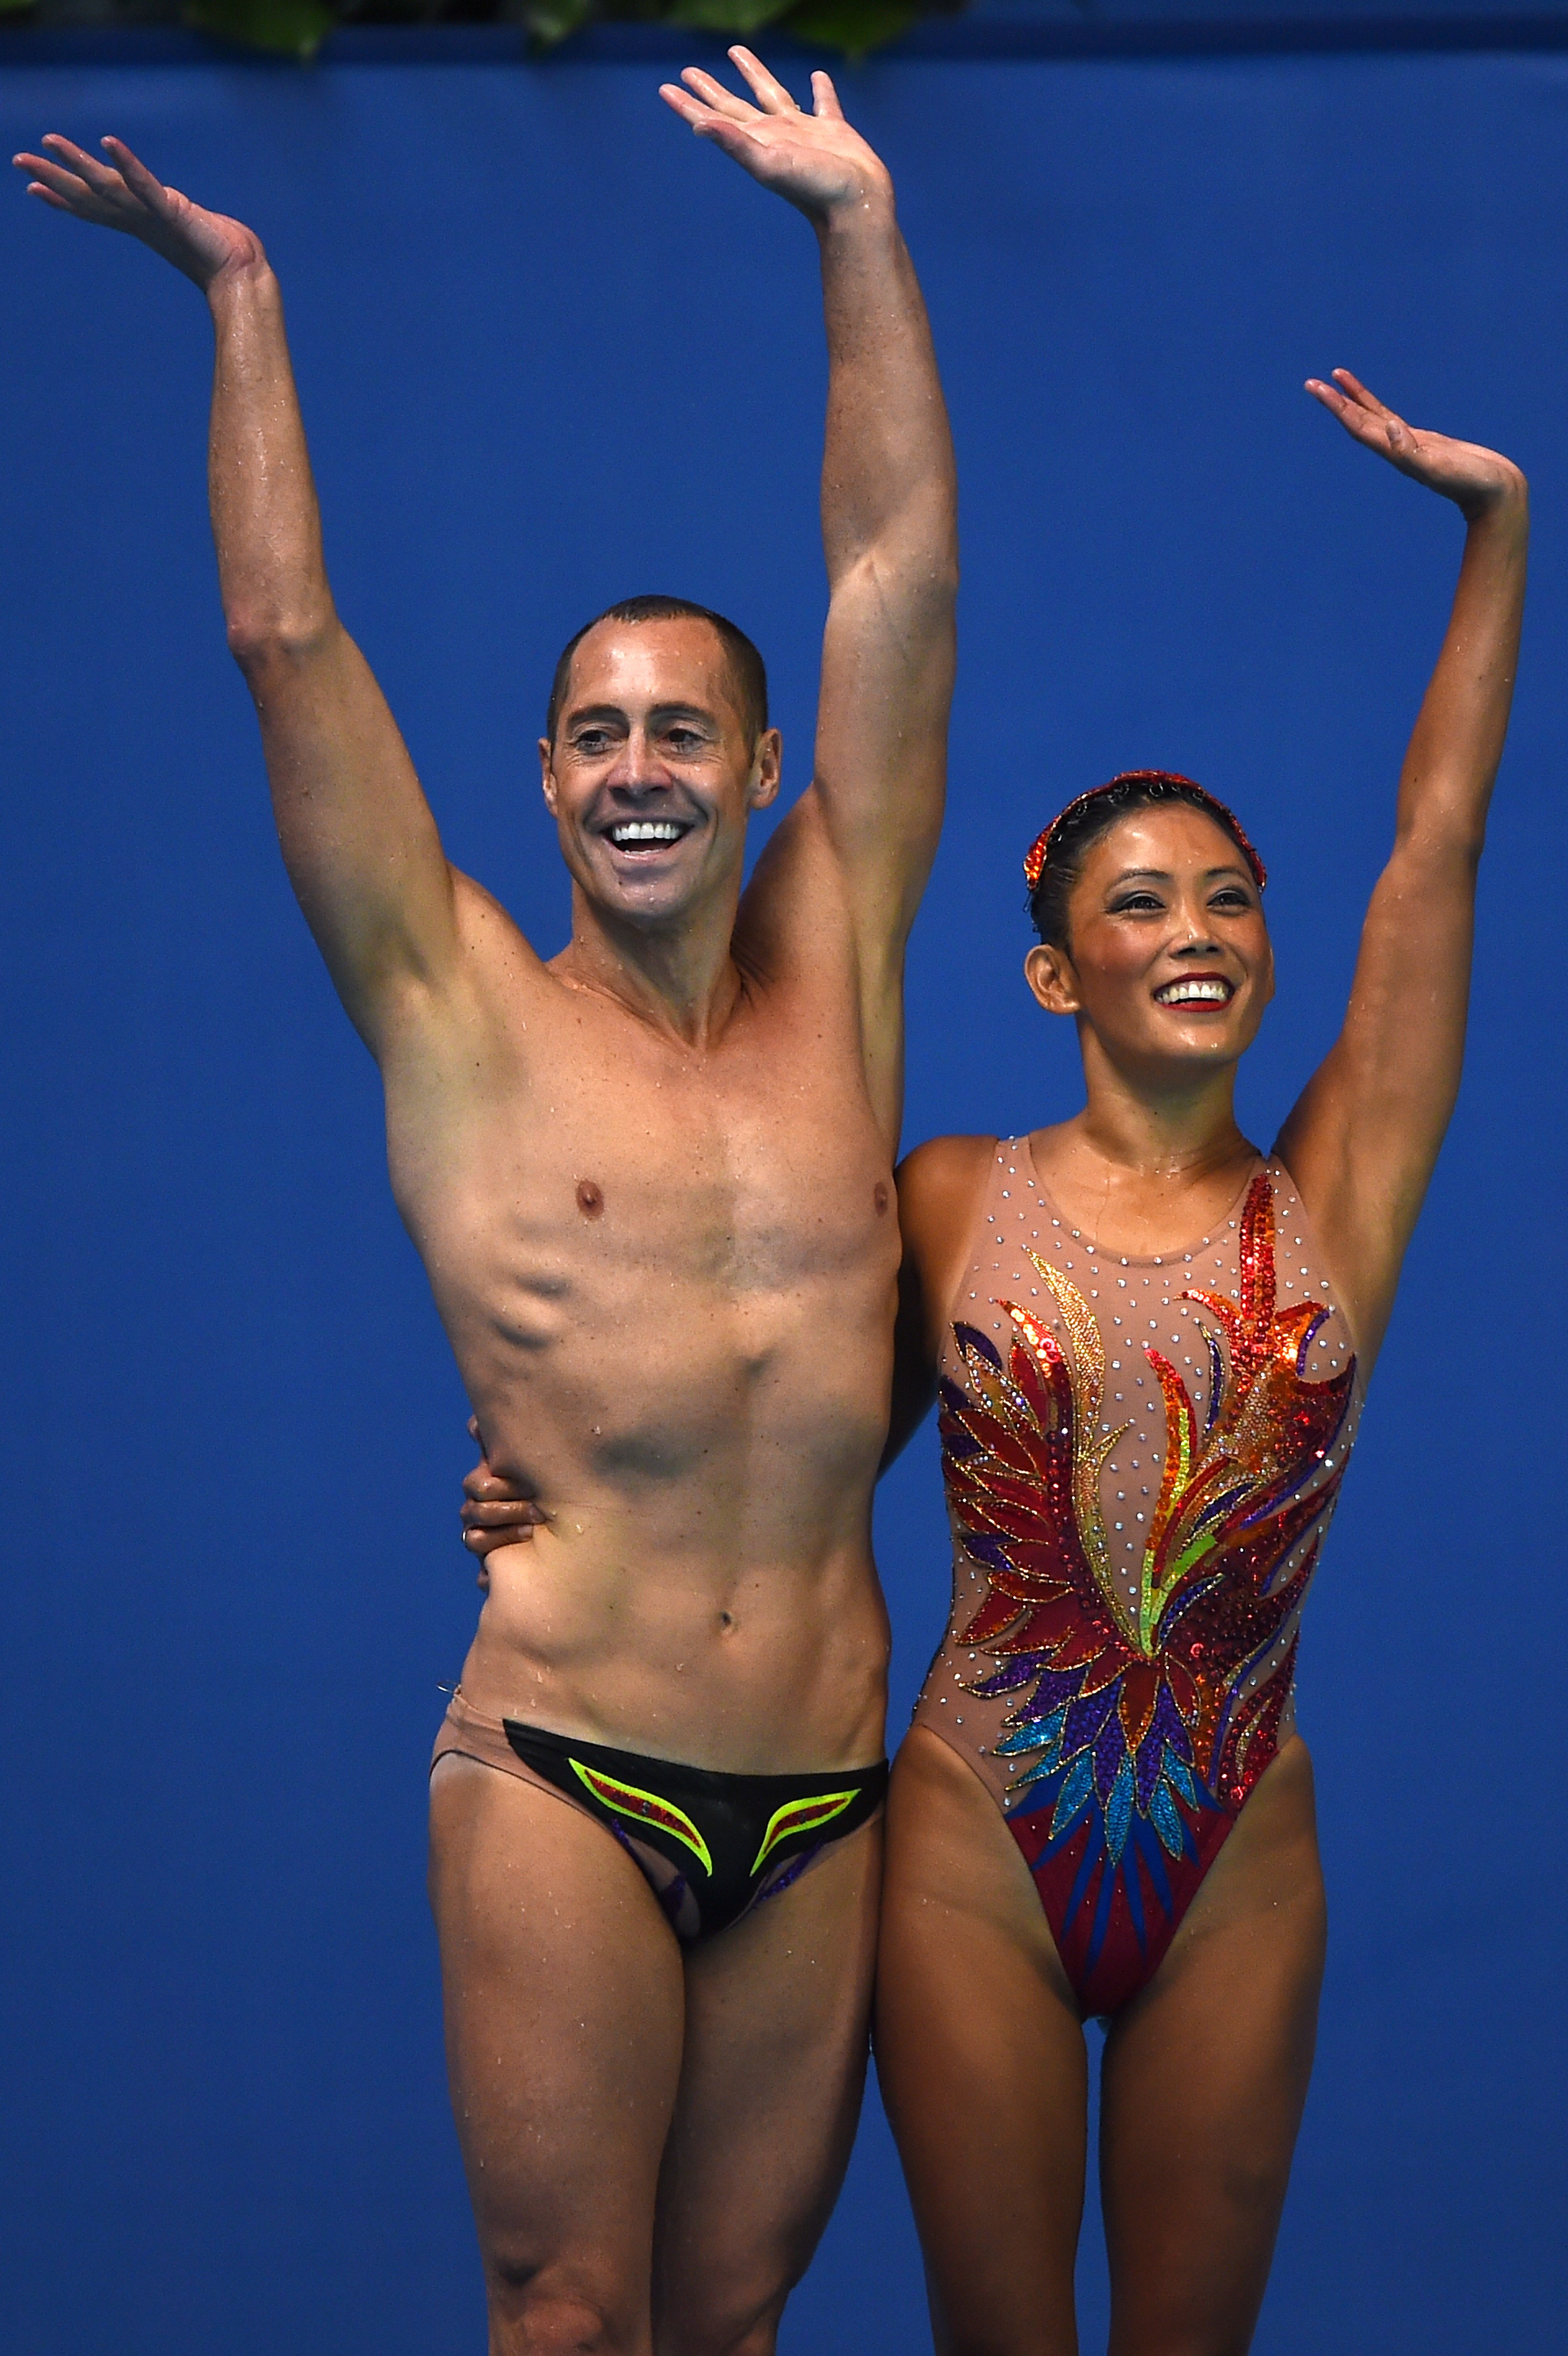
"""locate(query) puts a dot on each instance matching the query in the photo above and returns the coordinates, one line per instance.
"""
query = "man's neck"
(682, 981)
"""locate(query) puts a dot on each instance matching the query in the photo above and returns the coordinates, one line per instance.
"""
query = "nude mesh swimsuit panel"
(1141, 1459)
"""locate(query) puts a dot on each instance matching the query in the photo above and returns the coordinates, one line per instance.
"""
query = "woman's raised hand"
(815, 160)
(1474, 478)
(123, 195)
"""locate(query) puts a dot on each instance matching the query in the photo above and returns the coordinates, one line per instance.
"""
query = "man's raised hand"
(1476, 480)
(123, 195)
(815, 160)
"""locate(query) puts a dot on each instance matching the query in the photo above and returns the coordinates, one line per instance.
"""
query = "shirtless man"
(652, 1184)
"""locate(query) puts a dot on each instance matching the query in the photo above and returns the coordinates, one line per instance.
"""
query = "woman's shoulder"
(940, 1183)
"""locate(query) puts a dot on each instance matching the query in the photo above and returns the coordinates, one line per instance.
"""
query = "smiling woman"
(1151, 1342)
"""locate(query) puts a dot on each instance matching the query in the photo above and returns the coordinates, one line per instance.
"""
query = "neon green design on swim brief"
(645, 1807)
(800, 1817)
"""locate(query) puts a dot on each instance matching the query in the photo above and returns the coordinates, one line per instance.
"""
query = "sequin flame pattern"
(1135, 1738)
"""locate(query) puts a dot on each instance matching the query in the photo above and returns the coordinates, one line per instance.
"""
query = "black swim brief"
(730, 1841)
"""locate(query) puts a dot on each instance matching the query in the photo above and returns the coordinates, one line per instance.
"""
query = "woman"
(1152, 1342)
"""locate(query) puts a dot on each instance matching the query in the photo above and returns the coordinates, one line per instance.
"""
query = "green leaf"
(550, 21)
(290, 29)
(727, 16)
(855, 27)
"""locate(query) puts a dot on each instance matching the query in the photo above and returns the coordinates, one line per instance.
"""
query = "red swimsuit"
(1142, 1457)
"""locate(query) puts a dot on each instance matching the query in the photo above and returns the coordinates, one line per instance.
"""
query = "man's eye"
(591, 741)
(683, 739)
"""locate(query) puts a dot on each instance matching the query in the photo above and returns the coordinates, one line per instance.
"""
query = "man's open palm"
(123, 195)
(815, 160)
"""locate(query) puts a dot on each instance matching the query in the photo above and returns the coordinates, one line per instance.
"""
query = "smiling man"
(652, 1184)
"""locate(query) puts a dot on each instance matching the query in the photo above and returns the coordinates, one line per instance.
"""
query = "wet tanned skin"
(666, 1263)
(651, 1181)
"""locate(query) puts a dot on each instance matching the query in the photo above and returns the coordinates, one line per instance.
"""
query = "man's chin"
(658, 902)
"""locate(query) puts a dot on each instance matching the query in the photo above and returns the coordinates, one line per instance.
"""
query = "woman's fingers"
(1359, 392)
(1379, 427)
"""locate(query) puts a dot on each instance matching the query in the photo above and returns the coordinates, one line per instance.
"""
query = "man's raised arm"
(889, 496)
(357, 837)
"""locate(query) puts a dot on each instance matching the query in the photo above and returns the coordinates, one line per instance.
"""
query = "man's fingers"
(771, 93)
(53, 178)
(136, 177)
(101, 177)
(827, 97)
(714, 95)
(690, 110)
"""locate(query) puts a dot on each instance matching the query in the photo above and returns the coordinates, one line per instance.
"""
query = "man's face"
(651, 776)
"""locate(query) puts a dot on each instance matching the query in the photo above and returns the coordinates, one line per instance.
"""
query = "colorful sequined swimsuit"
(1142, 1457)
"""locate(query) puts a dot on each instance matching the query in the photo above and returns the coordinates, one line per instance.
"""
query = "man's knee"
(576, 2309)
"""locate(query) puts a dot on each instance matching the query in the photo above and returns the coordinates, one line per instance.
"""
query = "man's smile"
(645, 834)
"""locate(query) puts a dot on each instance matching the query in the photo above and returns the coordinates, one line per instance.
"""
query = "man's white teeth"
(646, 830)
(1194, 993)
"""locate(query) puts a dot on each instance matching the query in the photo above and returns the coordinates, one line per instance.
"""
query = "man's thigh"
(1204, 2081)
(777, 2026)
(564, 2004)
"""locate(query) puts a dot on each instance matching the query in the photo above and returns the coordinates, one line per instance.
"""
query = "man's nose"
(637, 768)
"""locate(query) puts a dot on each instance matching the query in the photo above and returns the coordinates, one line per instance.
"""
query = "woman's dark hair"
(1056, 860)
(748, 674)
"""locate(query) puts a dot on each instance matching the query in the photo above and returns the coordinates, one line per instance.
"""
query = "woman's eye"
(1136, 904)
(1231, 901)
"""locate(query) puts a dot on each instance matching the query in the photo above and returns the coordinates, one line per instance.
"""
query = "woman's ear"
(1049, 973)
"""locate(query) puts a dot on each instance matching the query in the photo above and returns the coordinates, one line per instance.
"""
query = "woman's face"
(1167, 956)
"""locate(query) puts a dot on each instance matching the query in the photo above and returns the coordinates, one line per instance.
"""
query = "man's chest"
(604, 1164)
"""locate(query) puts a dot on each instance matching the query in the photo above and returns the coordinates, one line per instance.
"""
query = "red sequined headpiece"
(1040, 851)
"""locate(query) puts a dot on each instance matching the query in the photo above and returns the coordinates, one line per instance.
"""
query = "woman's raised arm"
(1362, 1142)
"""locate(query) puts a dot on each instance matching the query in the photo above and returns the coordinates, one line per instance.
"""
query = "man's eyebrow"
(614, 712)
(579, 712)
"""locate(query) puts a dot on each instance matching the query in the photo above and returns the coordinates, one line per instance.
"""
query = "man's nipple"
(590, 1199)
(879, 1196)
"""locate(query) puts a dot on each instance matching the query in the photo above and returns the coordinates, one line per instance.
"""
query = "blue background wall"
(554, 351)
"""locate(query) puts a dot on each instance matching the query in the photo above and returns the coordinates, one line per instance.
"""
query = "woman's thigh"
(1204, 2078)
(981, 2059)
(565, 2003)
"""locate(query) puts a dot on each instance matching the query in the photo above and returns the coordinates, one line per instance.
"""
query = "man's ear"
(547, 775)
(767, 770)
(1048, 973)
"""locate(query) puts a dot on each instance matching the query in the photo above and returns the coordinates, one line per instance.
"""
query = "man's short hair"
(748, 673)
